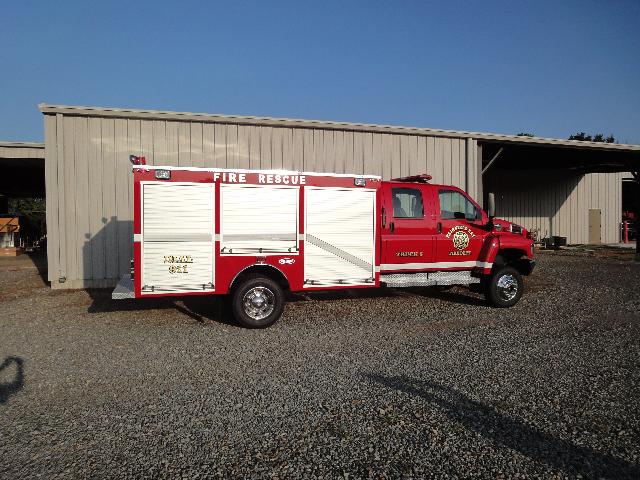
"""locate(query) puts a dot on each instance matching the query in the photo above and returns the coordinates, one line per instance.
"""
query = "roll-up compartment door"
(259, 219)
(339, 236)
(178, 221)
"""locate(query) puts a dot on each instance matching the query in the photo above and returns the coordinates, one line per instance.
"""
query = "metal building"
(538, 182)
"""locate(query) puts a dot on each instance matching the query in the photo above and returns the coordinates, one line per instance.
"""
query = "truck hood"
(505, 226)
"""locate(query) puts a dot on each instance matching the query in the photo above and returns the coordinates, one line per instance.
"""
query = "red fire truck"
(253, 235)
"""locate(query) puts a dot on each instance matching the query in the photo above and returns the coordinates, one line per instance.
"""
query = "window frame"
(479, 212)
(422, 197)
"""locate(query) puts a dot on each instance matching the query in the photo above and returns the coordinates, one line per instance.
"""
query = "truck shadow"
(458, 295)
(511, 433)
(7, 389)
(201, 308)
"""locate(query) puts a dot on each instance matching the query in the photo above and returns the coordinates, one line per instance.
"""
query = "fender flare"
(279, 275)
(488, 254)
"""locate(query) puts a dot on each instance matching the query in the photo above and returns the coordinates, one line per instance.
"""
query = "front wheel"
(257, 302)
(504, 287)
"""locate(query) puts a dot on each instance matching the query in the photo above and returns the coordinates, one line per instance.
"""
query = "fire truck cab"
(253, 235)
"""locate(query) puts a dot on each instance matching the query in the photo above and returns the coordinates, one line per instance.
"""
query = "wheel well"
(268, 271)
(515, 258)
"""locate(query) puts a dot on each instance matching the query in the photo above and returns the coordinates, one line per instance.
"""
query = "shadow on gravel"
(198, 307)
(14, 385)
(39, 259)
(358, 293)
(487, 421)
(202, 308)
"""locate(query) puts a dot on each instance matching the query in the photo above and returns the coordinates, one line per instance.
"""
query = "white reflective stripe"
(217, 237)
(301, 237)
(436, 265)
(376, 269)
(137, 237)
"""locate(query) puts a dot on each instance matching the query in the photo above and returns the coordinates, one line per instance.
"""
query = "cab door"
(460, 226)
(408, 227)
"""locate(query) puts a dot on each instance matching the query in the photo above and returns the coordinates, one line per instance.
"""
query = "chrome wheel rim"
(507, 287)
(258, 302)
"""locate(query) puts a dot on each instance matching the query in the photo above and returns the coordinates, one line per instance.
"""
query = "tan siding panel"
(298, 149)
(109, 196)
(70, 215)
(287, 148)
(208, 145)
(184, 145)
(265, 147)
(308, 159)
(369, 165)
(123, 178)
(378, 154)
(83, 232)
(455, 163)
(97, 218)
(62, 199)
(254, 147)
(52, 189)
(243, 146)
(276, 149)
(220, 150)
(233, 153)
(197, 159)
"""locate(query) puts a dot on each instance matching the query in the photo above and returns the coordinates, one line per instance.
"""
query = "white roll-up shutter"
(339, 236)
(178, 221)
(258, 219)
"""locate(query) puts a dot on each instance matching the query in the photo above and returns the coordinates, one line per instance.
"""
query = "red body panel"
(227, 267)
(429, 241)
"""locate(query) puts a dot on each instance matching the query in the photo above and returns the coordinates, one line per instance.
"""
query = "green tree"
(598, 137)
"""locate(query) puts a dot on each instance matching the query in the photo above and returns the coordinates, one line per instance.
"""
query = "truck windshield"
(455, 205)
(407, 203)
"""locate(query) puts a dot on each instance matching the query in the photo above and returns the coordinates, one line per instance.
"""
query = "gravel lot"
(412, 383)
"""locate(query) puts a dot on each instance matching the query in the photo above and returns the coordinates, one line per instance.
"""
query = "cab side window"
(407, 203)
(454, 205)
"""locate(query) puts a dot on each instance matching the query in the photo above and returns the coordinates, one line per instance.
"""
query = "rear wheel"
(257, 302)
(504, 287)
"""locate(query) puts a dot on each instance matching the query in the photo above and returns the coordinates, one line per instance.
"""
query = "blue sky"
(551, 68)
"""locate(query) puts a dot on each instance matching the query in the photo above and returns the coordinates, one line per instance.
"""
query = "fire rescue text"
(265, 178)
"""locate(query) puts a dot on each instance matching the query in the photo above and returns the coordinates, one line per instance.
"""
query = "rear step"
(124, 289)
(398, 280)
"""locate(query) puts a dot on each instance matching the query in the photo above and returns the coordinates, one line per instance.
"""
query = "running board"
(422, 279)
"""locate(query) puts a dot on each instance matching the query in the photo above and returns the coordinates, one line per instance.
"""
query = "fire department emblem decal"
(460, 240)
(461, 235)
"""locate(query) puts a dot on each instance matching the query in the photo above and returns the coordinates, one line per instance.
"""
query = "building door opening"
(629, 208)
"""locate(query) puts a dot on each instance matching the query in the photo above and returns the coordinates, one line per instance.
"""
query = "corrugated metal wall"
(558, 203)
(89, 185)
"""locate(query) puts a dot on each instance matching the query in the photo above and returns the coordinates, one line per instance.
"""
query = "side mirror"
(491, 205)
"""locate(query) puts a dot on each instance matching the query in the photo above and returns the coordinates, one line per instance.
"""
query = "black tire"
(504, 287)
(257, 302)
